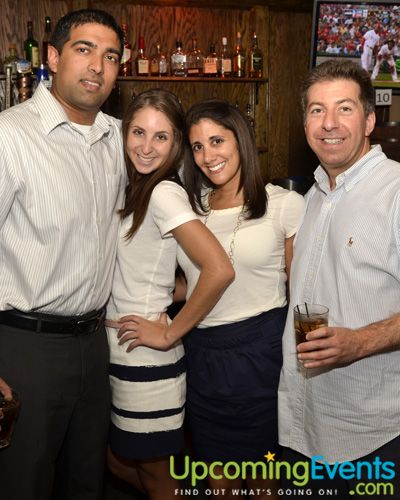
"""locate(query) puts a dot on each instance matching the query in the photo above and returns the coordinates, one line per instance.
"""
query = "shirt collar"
(354, 174)
(53, 114)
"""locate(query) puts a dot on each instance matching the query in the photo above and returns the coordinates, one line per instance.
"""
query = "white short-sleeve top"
(259, 257)
(145, 269)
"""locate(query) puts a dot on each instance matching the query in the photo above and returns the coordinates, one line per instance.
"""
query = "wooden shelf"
(201, 79)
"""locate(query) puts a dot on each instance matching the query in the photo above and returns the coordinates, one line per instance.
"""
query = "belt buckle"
(97, 319)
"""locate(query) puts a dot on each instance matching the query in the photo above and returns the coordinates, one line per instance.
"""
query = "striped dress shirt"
(60, 191)
(346, 256)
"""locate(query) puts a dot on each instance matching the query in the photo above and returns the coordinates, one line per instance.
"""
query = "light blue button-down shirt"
(346, 256)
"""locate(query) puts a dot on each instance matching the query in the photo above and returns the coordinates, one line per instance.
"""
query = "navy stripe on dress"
(148, 373)
(147, 414)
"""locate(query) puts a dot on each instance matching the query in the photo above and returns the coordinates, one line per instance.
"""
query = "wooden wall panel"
(167, 24)
(290, 38)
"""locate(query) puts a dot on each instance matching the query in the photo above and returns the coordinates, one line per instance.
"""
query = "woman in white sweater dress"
(148, 385)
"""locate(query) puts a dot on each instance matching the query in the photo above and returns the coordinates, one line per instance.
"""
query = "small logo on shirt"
(350, 242)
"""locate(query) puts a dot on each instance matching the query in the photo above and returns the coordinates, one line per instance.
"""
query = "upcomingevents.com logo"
(372, 477)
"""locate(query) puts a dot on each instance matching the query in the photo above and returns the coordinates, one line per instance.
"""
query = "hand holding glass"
(308, 317)
(9, 410)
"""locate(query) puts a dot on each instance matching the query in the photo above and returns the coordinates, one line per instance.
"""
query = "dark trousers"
(59, 444)
(368, 487)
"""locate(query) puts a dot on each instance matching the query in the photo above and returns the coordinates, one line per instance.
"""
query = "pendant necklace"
(239, 221)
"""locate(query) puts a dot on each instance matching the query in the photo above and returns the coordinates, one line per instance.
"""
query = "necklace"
(239, 221)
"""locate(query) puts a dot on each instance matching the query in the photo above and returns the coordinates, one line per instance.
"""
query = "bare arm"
(5, 389)
(335, 346)
(216, 273)
(288, 258)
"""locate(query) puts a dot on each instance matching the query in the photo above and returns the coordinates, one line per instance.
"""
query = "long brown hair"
(140, 186)
(228, 116)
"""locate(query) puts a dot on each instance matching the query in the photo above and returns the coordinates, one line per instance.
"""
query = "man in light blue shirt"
(339, 394)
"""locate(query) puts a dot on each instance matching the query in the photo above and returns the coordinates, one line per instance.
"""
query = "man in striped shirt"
(62, 180)
(339, 394)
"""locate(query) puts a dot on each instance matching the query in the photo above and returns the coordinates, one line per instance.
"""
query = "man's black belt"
(49, 323)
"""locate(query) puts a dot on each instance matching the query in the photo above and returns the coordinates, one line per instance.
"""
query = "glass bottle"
(210, 66)
(31, 48)
(239, 59)
(46, 39)
(225, 60)
(159, 63)
(255, 59)
(125, 65)
(11, 58)
(179, 61)
(195, 60)
(142, 61)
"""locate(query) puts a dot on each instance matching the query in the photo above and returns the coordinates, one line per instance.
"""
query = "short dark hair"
(231, 118)
(75, 18)
(341, 70)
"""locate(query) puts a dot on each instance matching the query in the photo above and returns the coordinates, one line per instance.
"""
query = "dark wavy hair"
(341, 70)
(229, 117)
(140, 186)
(75, 18)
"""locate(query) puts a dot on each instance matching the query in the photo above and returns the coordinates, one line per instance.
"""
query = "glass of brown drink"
(9, 410)
(308, 317)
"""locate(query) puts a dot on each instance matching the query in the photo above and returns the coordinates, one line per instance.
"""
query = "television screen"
(368, 32)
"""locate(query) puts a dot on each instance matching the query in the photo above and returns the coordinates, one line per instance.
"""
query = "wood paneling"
(290, 39)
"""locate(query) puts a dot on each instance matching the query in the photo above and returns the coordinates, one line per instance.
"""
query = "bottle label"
(143, 67)
(35, 57)
(154, 67)
(227, 65)
(210, 65)
(257, 63)
(178, 62)
(126, 55)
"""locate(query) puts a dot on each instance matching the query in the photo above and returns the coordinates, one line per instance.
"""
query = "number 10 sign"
(383, 97)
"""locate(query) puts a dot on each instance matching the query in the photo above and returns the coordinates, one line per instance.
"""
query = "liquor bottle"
(179, 61)
(46, 39)
(159, 63)
(11, 58)
(142, 61)
(239, 59)
(31, 48)
(225, 60)
(42, 75)
(8, 91)
(195, 60)
(210, 66)
(125, 65)
(255, 59)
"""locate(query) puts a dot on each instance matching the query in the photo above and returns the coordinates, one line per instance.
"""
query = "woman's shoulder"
(169, 192)
(278, 193)
(168, 188)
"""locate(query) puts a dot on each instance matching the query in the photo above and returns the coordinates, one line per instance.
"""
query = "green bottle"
(31, 48)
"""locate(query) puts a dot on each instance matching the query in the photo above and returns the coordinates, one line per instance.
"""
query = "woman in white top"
(237, 346)
(148, 385)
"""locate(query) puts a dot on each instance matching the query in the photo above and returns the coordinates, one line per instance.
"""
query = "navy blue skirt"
(232, 384)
